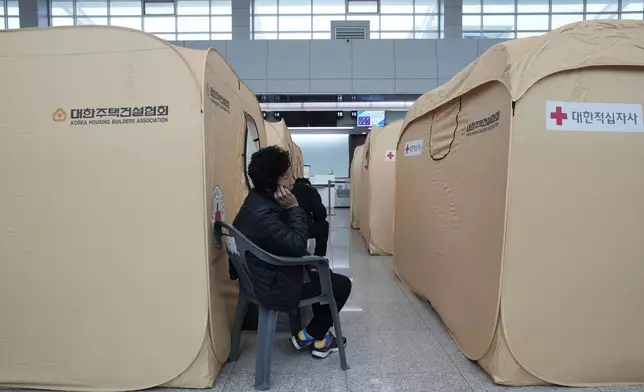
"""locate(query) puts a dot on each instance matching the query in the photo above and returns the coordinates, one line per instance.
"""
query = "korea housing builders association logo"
(218, 99)
(112, 115)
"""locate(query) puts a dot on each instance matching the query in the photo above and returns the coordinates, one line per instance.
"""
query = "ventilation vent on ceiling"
(350, 29)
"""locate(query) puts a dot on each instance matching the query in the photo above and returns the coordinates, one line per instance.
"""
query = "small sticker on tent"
(593, 117)
(390, 155)
(413, 148)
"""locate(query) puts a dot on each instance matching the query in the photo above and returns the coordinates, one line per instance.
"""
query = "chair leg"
(235, 337)
(265, 336)
(338, 334)
(295, 319)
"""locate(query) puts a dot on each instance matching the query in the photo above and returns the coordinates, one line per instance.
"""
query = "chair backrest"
(239, 247)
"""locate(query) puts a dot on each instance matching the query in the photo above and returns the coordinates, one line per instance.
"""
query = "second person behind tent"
(311, 201)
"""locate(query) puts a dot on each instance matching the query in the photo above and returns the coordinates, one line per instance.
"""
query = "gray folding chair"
(238, 247)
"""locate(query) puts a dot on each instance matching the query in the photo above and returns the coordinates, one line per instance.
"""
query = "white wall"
(325, 152)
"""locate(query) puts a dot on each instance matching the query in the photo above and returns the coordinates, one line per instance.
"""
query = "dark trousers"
(319, 231)
(322, 318)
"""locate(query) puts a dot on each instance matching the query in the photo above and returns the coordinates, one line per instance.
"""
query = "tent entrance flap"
(441, 138)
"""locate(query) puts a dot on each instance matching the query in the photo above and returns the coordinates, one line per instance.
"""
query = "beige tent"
(355, 186)
(362, 200)
(277, 134)
(378, 186)
(519, 210)
(117, 151)
(299, 160)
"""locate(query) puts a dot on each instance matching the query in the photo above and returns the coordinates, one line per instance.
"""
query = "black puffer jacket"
(309, 199)
(282, 233)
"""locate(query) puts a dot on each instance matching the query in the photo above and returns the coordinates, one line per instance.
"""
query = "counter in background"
(339, 190)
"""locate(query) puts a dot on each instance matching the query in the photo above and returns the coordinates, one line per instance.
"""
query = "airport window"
(265, 7)
(397, 6)
(374, 21)
(294, 7)
(294, 23)
(251, 145)
(9, 14)
(325, 35)
(532, 6)
(362, 6)
(508, 19)
(294, 35)
(311, 19)
(3, 15)
(322, 22)
(329, 7)
(394, 22)
(183, 20)
(266, 23)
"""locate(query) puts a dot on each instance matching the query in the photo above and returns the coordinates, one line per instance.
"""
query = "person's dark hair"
(266, 167)
(303, 181)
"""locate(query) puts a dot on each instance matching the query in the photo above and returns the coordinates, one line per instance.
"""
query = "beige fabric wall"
(278, 134)
(509, 229)
(381, 180)
(299, 160)
(107, 257)
(356, 186)
(274, 135)
(363, 199)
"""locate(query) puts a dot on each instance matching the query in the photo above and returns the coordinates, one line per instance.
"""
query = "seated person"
(309, 199)
(271, 218)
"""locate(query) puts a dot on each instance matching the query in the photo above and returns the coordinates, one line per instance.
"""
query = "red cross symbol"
(559, 115)
(407, 148)
(390, 155)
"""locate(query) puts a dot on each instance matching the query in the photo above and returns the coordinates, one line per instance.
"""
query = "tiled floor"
(396, 341)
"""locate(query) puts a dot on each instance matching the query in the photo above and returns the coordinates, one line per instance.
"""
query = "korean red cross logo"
(218, 209)
(558, 115)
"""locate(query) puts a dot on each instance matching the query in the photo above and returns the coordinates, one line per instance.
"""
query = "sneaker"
(302, 340)
(330, 346)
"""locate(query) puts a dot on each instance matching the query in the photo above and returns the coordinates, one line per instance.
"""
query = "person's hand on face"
(285, 198)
